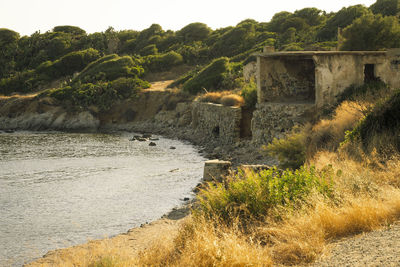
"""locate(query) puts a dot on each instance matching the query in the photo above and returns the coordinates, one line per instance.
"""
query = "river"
(61, 189)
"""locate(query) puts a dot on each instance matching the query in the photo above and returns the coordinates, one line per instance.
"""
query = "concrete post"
(216, 170)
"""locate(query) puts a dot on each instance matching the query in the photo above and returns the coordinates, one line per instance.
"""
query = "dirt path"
(159, 86)
(377, 248)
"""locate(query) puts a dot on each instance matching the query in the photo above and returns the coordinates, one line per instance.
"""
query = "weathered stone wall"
(249, 71)
(217, 121)
(284, 79)
(334, 73)
(389, 70)
(295, 77)
(273, 120)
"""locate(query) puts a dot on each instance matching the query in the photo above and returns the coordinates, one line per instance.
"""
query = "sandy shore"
(126, 244)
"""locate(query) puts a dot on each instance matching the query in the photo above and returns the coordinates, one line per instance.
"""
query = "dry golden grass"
(226, 98)
(327, 134)
(363, 202)
(232, 100)
(201, 243)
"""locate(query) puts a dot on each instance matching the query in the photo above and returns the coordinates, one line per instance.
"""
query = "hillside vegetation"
(32, 63)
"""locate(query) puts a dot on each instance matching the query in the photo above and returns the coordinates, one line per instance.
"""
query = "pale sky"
(28, 16)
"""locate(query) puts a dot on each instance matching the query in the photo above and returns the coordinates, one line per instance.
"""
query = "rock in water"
(152, 144)
(172, 147)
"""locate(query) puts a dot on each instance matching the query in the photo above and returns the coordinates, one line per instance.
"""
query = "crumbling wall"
(389, 70)
(283, 79)
(217, 121)
(273, 120)
(334, 73)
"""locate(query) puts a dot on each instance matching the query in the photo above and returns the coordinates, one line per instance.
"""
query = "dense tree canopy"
(386, 7)
(372, 32)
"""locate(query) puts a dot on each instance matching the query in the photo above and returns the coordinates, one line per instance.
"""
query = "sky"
(28, 16)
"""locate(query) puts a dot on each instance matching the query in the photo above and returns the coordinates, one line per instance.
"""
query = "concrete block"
(216, 170)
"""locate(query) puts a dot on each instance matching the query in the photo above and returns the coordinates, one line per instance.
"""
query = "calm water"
(61, 189)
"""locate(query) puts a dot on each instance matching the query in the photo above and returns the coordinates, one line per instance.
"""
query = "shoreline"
(169, 222)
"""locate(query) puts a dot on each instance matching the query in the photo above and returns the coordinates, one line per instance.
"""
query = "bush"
(110, 68)
(22, 82)
(380, 129)
(209, 77)
(249, 94)
(252, 195)
(68, 64)
(69, 29)
(291, 150)
(185, 77)
(102, 94)
(163, 62)
(149, 50)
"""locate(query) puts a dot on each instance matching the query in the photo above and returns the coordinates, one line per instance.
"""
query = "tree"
(69, 29)
(194, 32)
(372, 32)
(8, 44)
(341, 19)
(386, 7)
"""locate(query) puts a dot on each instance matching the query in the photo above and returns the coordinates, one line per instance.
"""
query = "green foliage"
(372, 33)
(249, 94)
(383, 122)
(8, 51)
(341, 19)
(8, 36)
(102, 94)
(386, 7)
(162, 62)
(290, 151)
(235, 41)
(194, 32)
(185, 77)
(69, 29)
(23, 82)
(254, 195)
(149, 50)
(110, 68)
(210, 77)
(68, 64)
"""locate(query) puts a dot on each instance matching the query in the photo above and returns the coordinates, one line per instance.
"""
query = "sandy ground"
(377, 248)
(128, 244)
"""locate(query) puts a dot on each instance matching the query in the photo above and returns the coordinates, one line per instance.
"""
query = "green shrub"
(209, 77)
(22, 82)
(182, 79)
(69, 29)
(110, 67)
(249, 93)
(253, 195)
(102, 94)
(68, 64)
(380, 129)
(290, 151)
(163, 62)
(149, 50)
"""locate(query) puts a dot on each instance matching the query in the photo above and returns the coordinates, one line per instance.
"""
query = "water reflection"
(60, 189)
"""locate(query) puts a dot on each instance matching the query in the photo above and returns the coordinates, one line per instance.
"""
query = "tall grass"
(361, 202)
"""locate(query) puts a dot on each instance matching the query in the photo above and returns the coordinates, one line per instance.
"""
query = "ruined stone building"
(291, 88)
(293, 85)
